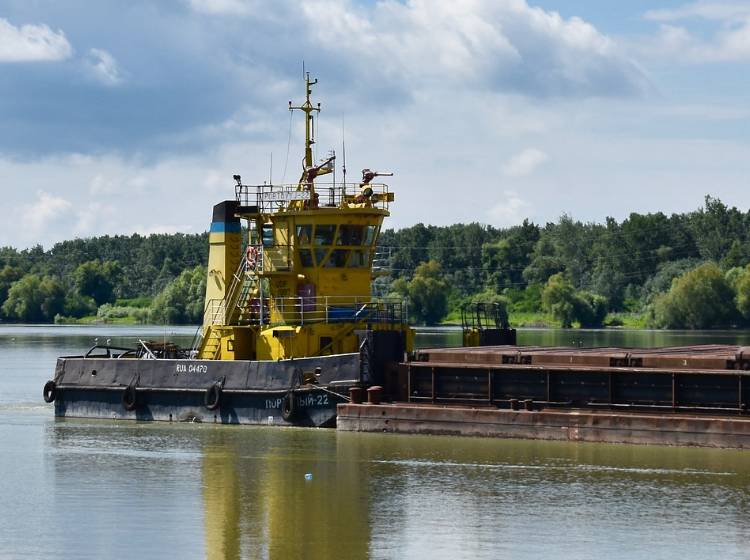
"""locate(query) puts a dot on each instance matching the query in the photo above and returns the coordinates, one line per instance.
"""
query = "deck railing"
(299, 311)
(272, 198)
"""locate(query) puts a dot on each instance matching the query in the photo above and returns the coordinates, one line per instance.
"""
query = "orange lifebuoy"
(251, 255)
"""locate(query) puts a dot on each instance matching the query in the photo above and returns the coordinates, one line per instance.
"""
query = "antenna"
(270, 171)
(343, 154)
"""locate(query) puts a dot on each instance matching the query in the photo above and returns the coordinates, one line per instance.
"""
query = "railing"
(272, 198)
(335, 309)
(308, 310)
(215, 311)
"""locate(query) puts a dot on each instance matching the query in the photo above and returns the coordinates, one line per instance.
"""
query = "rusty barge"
(691, 395)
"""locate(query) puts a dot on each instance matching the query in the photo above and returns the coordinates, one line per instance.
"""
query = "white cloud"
(93, 218)
(728, 40)
(524, 163)
(419, 45)
(224, 7)
(166, 228)
(104, 67)
(44, 213)
(32, 43)
(512, 210)
(704, 10)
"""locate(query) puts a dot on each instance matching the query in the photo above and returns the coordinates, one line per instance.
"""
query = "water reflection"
(259, 503)
(229, 492)
(98, 489)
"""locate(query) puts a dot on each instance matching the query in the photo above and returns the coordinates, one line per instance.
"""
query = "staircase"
(211, 344)
(234, 309)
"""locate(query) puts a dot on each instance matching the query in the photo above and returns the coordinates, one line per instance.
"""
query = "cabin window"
(305, 257)
(350, 235)
(337, 259)
(324, 234)
(370, 235)
(359, 259)
(266, 233)
(320, 256)
(304, 234)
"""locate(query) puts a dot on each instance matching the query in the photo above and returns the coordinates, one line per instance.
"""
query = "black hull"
(261, 393)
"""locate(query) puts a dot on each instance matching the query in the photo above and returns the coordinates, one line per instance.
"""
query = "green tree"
(504, 261)
(181, 301)
(564, 303)
(559, 299)
(743, 293)
(97, 280)
(34, 299)
(590, 309)
(716, 227)
(8, 275)
(427, 293)
(699, 299)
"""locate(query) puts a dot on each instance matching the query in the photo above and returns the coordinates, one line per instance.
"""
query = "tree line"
(687, 270)
(157, 278)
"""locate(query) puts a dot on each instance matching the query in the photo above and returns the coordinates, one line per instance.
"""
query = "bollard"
(374, 393)
(528, 404)
(356, 395)
(514, 404)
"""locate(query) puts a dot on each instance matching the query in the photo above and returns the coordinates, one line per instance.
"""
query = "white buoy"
(308, 476)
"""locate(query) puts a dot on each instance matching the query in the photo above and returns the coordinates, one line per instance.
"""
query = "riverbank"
(547, 321)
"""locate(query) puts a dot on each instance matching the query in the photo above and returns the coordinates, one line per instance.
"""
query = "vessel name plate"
(191, 368)
(281, 196)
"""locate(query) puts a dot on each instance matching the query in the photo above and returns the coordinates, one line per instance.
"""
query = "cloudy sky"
(117, 117)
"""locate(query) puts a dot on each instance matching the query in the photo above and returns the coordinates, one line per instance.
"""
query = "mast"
(307, 107)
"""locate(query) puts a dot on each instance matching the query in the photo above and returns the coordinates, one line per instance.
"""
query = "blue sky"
(122, 117)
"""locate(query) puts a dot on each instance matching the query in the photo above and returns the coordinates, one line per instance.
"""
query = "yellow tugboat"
(290, 323)
(302, 285)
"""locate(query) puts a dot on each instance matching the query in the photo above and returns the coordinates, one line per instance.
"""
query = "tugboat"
(290, 324)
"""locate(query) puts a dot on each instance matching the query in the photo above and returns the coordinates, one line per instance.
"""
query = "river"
(100, 489)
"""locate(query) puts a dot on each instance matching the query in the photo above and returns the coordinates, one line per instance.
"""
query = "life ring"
(50, 391)
(289, 407)
(129, 398)
(212, 396)
(251, 256)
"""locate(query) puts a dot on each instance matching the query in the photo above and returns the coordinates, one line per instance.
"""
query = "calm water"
(99, 489)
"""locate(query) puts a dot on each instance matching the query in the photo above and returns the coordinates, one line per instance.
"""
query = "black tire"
(289, 407)
(50, 391)
(129, 398)
(212, 397)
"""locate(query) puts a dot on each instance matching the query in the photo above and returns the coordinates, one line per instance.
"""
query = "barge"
(292, 334)
(690, 395)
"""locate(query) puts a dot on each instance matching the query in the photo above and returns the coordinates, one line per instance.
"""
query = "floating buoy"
(308, 476)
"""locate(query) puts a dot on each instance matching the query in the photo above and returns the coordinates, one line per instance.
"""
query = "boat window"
(305, 257)
(266, 233)
(371, 235)
(350, 235)
(320, 256)
(324, 234)
(359, 259)
(337, 259)
(304, 234)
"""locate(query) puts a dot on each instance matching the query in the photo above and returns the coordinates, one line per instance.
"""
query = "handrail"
(301, 310)
(272, 198)
(215, 310)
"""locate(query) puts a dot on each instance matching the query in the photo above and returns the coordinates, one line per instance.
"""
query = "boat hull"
(226, 392)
